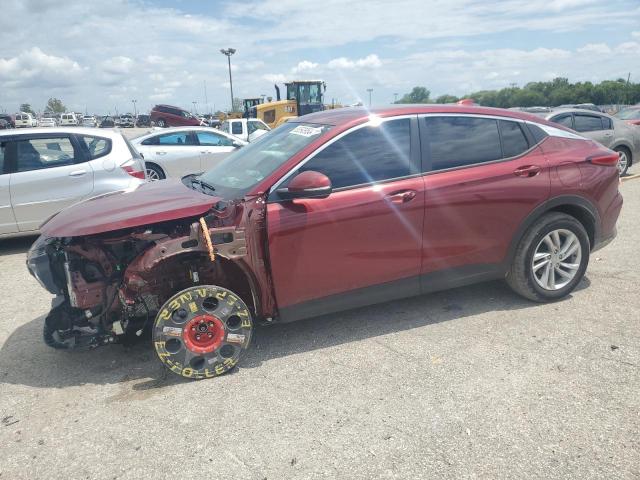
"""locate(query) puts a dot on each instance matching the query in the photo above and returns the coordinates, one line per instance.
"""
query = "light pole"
(369, 90)
(194, 107)
(135, 110)
(228, 52)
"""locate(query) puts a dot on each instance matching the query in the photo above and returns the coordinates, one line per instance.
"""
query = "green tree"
(26, 107)
(447, 99)
(54, 105)
(417, 95)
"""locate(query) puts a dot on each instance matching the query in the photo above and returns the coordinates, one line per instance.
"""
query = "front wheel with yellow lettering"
(202, 331)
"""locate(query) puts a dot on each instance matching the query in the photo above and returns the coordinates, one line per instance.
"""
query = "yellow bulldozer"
(303, 97)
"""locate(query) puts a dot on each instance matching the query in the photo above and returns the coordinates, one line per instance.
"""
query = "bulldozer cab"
(307, 95)
(248, 105)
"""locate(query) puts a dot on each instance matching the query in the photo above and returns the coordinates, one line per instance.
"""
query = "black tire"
(627, 153)
(202, 331)
(153, 170)
(521, 276)
(162, 123)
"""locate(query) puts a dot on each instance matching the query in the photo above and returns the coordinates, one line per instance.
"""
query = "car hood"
(150, 203)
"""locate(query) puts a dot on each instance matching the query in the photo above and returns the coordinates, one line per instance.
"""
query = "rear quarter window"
(514, 141)
(97, 146)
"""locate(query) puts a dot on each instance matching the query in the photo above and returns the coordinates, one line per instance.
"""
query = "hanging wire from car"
(207, 239)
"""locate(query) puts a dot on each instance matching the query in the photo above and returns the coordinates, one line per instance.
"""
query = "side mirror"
(237, 144)
(309, 184)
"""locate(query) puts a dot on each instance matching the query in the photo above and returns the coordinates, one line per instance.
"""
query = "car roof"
(160, 131)
(354, 115)
(581, 111)
(80, 130)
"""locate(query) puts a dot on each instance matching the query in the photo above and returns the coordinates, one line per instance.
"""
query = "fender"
(587, 208)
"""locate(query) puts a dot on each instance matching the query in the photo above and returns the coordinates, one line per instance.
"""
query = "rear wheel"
(154, 172)
(202, 332)
(162, 123)
(551, 258)
(625, 160)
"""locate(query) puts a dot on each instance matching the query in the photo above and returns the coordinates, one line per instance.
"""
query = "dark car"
(4, 124)
(143, 121)
(169, 116)
(330, 211)
(107, 122)
(8, 119)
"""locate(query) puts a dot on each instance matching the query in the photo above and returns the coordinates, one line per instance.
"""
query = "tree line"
(556, 92)
(54, 105)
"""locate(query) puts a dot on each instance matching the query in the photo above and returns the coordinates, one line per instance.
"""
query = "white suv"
(50, 169)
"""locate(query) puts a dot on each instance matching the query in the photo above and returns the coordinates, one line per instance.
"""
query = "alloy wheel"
(622, 162)
(153, 175)
(556, 259)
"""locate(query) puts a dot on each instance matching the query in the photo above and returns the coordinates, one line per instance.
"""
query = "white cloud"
(304, 66)
(635, 34)
(275, 78)
(33, 67)
(343, 63)
(117, 65)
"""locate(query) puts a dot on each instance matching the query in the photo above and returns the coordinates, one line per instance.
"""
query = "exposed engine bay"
(110, 286)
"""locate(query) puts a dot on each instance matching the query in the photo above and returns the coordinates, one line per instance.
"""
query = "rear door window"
(566, 120)
(461, 141)
(213, 139)
(39, 153)
(587, 123)
(367, 155)
(514, 141)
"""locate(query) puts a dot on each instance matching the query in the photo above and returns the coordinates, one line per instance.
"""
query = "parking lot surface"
(469, 383)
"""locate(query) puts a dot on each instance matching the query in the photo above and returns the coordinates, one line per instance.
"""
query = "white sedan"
(179, 151)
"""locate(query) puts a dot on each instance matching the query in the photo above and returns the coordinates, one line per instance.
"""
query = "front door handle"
(402, 197)
(161, 153)
(77, 173)
(527, 171)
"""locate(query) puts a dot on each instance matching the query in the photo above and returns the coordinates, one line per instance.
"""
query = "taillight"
(607, 160)
(130, 167)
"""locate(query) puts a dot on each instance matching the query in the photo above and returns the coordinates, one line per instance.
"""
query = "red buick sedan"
(335, 210)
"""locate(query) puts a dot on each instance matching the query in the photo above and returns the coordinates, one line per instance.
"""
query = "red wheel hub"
(203, 334)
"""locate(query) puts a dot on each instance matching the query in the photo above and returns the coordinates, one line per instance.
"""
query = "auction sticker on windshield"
(305, 131)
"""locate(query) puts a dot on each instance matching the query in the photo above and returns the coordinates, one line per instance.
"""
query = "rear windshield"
(132, 149)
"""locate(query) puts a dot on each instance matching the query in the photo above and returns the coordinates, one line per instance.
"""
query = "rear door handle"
(161, 153)
(402, 197)
(527, 171)
(77, 173)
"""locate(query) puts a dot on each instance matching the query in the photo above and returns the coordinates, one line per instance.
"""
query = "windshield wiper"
(203, 184)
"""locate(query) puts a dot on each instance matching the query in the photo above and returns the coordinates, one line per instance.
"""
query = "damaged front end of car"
(110, 286)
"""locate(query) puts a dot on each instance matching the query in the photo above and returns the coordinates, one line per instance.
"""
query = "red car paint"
(152, 202)
(308, 249)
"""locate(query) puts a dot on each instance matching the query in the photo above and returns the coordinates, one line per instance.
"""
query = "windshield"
(248, 166)
(629, 114)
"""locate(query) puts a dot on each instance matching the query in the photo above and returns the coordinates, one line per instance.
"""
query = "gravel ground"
(469, 383)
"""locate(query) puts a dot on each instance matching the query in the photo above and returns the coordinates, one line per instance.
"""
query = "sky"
(98, 56)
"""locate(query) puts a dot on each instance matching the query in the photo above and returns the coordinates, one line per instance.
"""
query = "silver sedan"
(609, 131)
(179, 151)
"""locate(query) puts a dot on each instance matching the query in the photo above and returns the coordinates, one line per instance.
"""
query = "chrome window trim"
(373, 121)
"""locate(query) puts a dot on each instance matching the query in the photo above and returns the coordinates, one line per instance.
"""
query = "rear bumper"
(608, 230)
